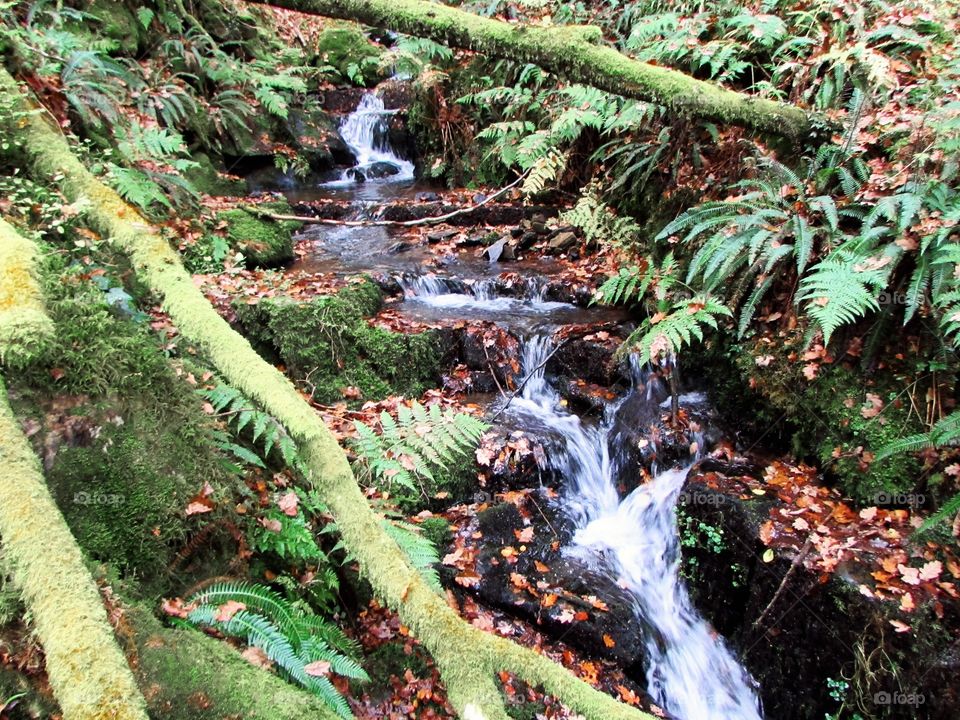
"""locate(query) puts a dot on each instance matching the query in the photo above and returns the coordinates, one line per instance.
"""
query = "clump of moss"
(345, 48)
(263, 242)
(205, 179)
(122, 500)
(437, 531)
(831, 418)
(328, 344)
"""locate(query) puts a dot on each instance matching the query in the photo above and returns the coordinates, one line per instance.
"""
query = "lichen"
(25, 328)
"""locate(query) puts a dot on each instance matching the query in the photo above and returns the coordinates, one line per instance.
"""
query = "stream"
(691, 672)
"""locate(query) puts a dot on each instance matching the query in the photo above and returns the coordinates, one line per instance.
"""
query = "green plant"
(408, 449)
(267, 434)
(304, 647)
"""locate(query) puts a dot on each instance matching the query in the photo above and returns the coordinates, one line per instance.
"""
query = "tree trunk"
(89, 675)
(467, 658)
(571, 51)
(25, 327)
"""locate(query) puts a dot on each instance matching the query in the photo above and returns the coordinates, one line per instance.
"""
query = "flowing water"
(367, 132)
(691, 672)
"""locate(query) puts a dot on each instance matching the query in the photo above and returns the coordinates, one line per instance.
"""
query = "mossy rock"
(342, 45)
(328, 342)
(206, 179)
(187, 675)
(118, 23)
(263, 242)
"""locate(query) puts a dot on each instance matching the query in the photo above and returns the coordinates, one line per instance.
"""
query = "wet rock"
(401, 246)
(523, 571)
(441, 235)
(816, 629)
(561, 242)
(427, 197)
(380, 170)
(396, 94)
(527, 239)
(585, 359)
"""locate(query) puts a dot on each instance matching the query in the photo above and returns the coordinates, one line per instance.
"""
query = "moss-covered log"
(25, 328)
(574, 52)
(89, 675)
(468, 658)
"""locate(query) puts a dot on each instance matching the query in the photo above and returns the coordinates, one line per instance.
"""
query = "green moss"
(186, 675)
(117, 23)
(827, 419)
(392, 660)
(124, 499)
(205, 178)
(328, 344)
(262, 241)
(343, 45)
(437, 531)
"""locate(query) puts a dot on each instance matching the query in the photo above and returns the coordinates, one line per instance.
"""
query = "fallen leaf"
(317, 668)
(226, 611)
(289, 504)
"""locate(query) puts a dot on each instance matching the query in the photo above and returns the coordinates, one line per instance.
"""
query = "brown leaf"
(317, 668)
(226, 611)
(289, 503)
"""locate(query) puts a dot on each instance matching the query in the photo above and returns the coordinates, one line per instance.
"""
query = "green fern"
(663, 337)
(289, 637)
(843, 288)
(267, 433)
(419, 441)
(419, 550)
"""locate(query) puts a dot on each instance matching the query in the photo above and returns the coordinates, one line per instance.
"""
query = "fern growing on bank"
(267, 433)
(417, 442)
(303, 647)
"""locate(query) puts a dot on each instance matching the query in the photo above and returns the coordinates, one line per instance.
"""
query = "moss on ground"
(186, 675)
(124, 499)
(124, 479)
(328, 345)
(206, 179)
(828, 419)
(263, 242)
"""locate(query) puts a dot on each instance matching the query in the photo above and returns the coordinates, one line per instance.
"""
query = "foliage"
(409, 448)
(419, 549)
(303, 647)
(266, 433)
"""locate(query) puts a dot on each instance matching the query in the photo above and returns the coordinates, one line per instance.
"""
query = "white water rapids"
(690, 671)
(366, 132)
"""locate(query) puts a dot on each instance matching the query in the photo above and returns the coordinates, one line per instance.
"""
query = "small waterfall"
(367, 132)
(691, 672)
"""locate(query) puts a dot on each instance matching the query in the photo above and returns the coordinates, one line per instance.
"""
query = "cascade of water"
(366, 131)
(691, 672)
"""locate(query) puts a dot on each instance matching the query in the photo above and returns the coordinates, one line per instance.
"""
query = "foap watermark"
(899, 698)
(899, 499)
(87, 498)
(892, 298)
(699, 498)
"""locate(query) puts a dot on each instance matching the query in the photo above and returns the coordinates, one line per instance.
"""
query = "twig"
(523, 383)
(395, 223)
(783, 583)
